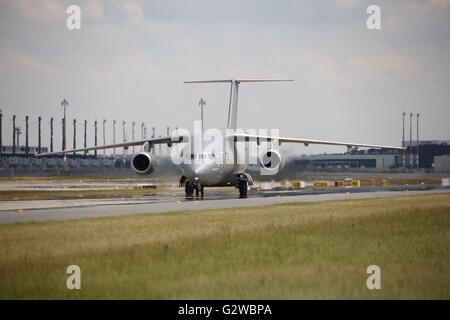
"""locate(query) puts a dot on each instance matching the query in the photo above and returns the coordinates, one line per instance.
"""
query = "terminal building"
(434, 155)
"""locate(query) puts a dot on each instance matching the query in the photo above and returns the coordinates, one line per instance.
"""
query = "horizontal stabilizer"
(237, 80)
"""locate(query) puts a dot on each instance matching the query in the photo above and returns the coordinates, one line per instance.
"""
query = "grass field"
(289, 251)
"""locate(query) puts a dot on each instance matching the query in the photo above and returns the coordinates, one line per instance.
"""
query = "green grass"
(289, 251)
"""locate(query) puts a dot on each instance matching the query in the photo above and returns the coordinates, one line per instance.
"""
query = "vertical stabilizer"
(233, 107)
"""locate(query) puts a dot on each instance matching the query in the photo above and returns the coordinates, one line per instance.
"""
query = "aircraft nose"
(201, 170)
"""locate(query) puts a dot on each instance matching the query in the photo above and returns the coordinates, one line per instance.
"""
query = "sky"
(130, 58)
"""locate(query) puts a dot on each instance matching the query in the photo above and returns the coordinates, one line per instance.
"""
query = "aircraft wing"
(160, 140)
(307, 142)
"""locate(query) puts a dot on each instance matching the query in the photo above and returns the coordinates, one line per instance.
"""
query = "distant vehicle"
(207, 168)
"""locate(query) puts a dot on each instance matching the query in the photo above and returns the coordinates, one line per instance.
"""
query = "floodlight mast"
(14, 134)
(114, 142)
(104, 139)
(39, 134)
(410, 140)
(74, 135)
(403, 142)
(85, 136)
(124, 140)
(64, 104)
(417, 156)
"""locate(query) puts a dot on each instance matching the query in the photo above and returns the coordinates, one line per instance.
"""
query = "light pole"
(417, 158)
(26, 134)
(410, 140)
(124, 140)
(14, 134)
(85, 136)
(64, 104)
(51, 134)
(95, 138)
(104, 139)
(114, 142)
(39, 134)
(74, 135)
(403, 142)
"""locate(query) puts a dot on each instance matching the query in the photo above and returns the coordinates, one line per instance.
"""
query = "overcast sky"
(130, 58)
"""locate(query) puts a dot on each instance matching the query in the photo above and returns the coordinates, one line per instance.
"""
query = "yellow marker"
(277, 196)
(178, 201)
(19, 210)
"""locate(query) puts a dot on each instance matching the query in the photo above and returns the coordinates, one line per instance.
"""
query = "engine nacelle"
(271, 161)
(143, 163)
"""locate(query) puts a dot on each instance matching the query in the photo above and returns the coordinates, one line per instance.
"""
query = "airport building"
(434, 155)
(429, 151)
(332, 162)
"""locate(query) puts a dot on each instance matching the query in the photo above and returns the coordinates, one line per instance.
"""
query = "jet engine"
(271, 161)
(143, 163)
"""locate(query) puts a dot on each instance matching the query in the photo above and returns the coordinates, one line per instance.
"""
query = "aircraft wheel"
(189, 189)
(243, 187)
(197, 191)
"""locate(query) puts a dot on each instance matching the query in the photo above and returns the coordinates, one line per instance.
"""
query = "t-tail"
(234, 94)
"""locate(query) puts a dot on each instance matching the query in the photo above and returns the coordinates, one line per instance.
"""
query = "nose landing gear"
(190, 187)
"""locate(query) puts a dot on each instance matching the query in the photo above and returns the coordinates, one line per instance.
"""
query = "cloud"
(394, 63)
(12, 59)
(324, 70)
(132, 10)
(38, 10)
(428, 6)
(440, 3)
(347, 3)
(92, 10)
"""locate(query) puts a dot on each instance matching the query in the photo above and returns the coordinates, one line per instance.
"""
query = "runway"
(117, 207)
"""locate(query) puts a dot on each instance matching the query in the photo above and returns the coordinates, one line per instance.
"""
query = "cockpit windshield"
(202, 156)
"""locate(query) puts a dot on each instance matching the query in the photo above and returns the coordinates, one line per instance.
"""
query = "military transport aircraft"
(223, 164)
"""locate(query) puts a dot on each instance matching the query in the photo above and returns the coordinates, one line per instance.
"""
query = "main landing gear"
(190, 187)
(243, 188)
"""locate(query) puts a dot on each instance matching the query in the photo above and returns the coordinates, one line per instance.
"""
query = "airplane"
(207, 167)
